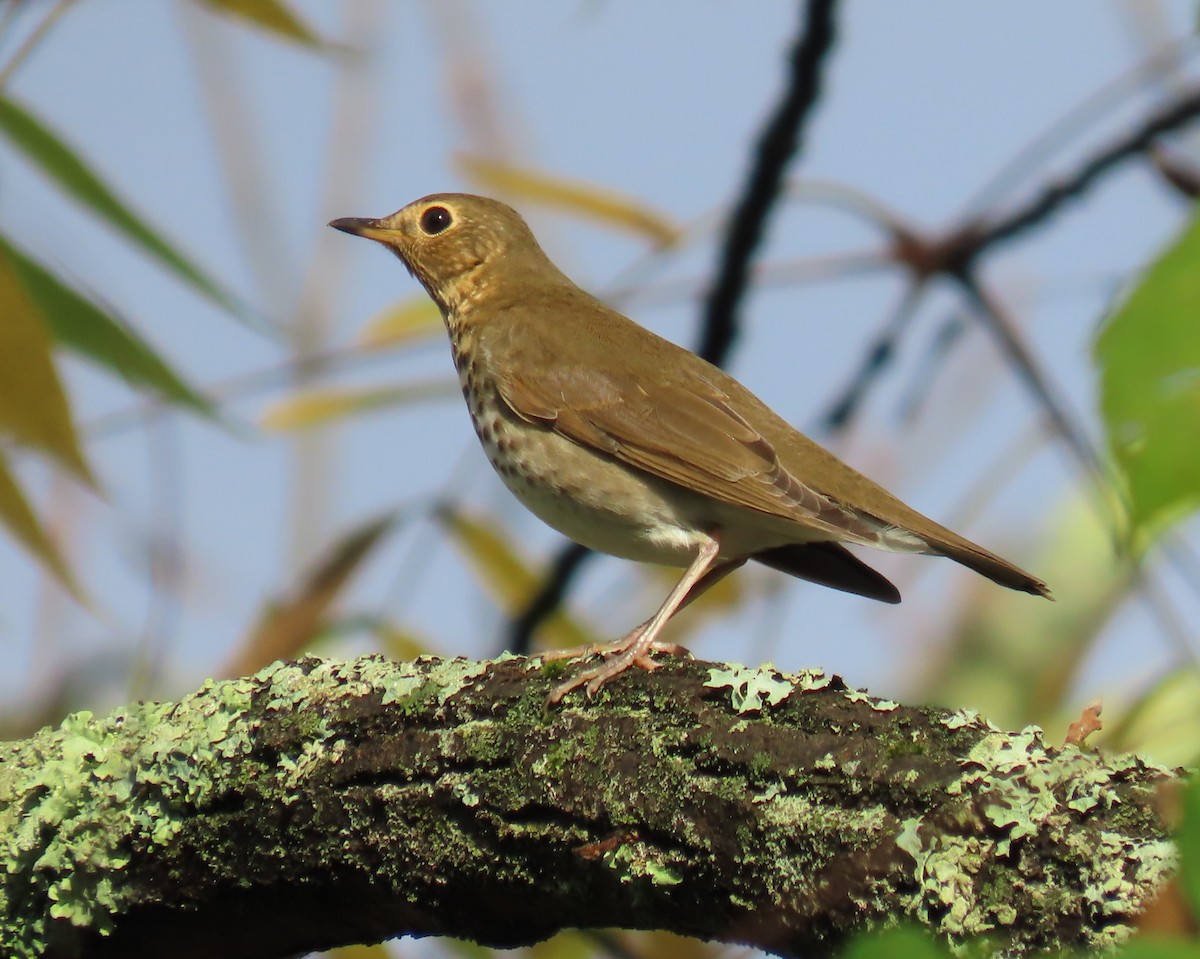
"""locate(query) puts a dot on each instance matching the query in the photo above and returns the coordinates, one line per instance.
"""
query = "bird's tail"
(990, 565)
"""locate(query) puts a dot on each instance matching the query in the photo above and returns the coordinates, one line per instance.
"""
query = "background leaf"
(33, 406)
(896, 944)
(585, 199)
(1188, 839)
(65, 167)
(81, 325)
(20, 520)
(1149, 353)
(416, 318)
(317, 407)
(273, 16)
(506, 575)
(290, 626)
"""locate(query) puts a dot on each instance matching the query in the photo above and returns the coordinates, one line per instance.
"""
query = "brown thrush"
(633, 446)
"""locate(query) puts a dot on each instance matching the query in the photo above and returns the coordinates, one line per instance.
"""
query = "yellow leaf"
(20, 520)
(412, 319)
(506, 575)
(271, 15)
(287, 627)
(33, 406)
(581, 199)
(317, 407)
(399, 643)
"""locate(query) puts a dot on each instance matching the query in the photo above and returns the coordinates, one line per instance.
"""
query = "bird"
(634, 446)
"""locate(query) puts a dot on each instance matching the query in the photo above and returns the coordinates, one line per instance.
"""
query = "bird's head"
(458, 245)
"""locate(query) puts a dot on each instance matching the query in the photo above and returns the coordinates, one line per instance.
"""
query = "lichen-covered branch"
(326, 802)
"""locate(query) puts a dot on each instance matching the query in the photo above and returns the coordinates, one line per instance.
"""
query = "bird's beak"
(363, 226)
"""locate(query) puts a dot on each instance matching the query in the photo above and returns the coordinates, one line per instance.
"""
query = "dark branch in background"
(880, 353)
(1184, 109)
(547, 599)
(778, 144)
(776, 147)
(958, 253)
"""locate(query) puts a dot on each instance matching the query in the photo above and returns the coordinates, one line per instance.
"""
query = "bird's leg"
(634, 649)
(714, 575)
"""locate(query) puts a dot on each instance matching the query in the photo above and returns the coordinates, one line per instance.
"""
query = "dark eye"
(435, 220)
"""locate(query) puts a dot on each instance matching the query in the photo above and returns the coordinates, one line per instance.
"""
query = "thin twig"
(879, 353)
(31, 42)
(1053, 197)
(997, 322)
(1073, 121)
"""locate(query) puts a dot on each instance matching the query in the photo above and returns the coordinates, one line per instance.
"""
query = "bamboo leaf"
(22, 523)
(1188, 838)
(58, 161)
(412, 319)
(289, 626)
(505, 574)
(80, 325)
(581, 199)
(273, 16)
(318, 407)
(1149, 358)
(33, 407)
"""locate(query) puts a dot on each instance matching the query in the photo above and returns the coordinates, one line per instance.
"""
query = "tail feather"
(830, 564)
(992, 566)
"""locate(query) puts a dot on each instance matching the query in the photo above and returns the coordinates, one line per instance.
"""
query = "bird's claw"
(618, 657)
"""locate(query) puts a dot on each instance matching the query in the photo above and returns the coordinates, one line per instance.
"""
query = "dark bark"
(327, 802)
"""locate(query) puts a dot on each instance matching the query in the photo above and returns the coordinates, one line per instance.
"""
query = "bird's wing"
(687, 434)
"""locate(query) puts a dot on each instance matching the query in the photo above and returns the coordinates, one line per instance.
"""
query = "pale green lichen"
(752, 689)
(65, 800)
(1026, 791)
(429, 678)
(810, 680)
(634, 860)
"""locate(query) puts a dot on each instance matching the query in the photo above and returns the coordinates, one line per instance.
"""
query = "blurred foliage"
(273, 16)
(587, 200)
(509, 578)
(1149, 358)
(64, 166)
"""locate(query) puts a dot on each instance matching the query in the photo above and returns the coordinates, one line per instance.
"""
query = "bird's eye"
(435, 220)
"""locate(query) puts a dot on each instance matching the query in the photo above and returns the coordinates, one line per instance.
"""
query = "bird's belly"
(591, 498)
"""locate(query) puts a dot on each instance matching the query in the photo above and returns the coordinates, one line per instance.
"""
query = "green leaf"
(905, 943)
(18, 518)
(1149, 357)
(33, 407)
(66, 168)
(82, 326)
(1159, 947)
(1188, 840)
(271, 15)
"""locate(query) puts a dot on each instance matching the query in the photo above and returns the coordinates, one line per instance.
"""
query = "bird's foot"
(618, 657)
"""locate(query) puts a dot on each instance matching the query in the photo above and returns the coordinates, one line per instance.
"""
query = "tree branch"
(326, 802)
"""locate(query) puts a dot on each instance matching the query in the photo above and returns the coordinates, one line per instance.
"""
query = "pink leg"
(702, 586)
(634, 649)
